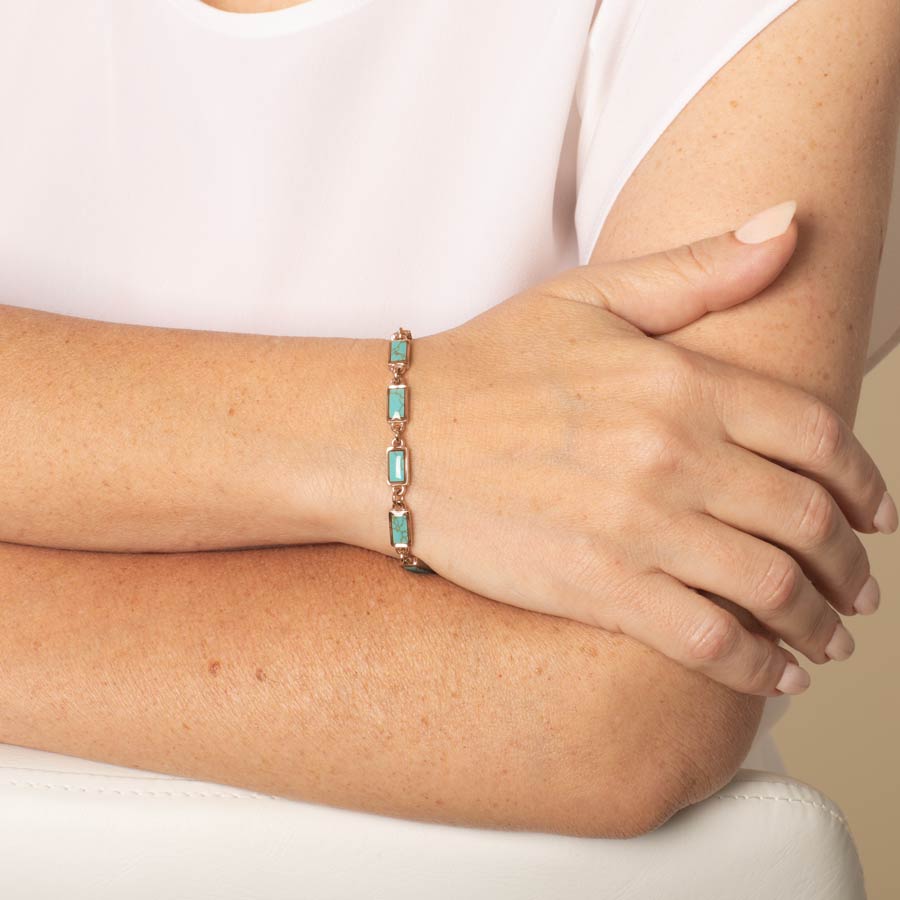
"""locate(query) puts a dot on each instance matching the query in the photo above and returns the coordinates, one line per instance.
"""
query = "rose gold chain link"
(398, 490)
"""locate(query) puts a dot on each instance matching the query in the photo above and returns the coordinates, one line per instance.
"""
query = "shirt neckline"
(266, 24)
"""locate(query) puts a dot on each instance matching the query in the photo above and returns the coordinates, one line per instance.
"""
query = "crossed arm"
(323, 673)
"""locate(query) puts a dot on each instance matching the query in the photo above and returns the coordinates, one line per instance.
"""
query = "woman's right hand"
(564, 461)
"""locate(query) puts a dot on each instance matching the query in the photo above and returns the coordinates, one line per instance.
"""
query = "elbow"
(639, 798)
(669, 739)
(656, 794)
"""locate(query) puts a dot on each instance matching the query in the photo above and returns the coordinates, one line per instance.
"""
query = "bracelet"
(398, 452)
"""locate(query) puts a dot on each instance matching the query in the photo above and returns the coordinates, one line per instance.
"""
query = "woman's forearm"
(121, 437)
(323, 673)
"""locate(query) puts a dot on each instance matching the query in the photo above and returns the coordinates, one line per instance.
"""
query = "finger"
(763, 579)
(762, 498)
(751, 623)
(700, 635)
(662, 292)
(786, 424)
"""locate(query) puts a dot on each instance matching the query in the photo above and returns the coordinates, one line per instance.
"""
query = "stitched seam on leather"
(834, 815)
(206, 796)
(805, 802)
(134, 793)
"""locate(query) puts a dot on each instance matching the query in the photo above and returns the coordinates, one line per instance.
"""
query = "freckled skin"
(619, 699)
(787, 136)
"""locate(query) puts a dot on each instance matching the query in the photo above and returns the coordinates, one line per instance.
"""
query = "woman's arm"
(124, 437)
(324, 673)
(808, 109)
(575, 709)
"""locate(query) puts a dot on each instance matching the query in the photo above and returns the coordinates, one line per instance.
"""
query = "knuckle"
(824, 434)
(688, 263)
(778, 586)
(685, 381)
(679, 368)
(713, 638)
(675, 378)
(818, 518)
(658, 450)
(702, 261)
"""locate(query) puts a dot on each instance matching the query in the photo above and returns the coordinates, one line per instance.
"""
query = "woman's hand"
(565, 462)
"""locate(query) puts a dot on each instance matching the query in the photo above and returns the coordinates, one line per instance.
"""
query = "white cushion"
(90, 831)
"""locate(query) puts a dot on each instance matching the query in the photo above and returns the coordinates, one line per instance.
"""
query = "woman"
(337, 168)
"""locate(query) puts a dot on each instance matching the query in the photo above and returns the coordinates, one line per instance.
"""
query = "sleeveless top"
(336, 168)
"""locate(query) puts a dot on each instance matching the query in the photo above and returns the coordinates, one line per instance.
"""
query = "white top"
(338, 168)
(335, 168)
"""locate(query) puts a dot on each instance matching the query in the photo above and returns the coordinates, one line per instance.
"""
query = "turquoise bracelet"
(398, 453)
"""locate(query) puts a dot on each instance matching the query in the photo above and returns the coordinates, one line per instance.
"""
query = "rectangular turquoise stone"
(396, 401)
(396, 466)
(399, 351)
(399, 528)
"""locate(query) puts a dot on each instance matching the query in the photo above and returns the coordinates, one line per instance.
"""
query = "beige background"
(842, 735)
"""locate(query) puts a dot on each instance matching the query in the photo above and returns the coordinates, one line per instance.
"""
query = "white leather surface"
(89, 831)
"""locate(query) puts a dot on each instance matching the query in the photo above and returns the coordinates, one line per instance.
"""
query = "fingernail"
(868, 599)
(886, 517)
(767, 224)
(794, 680)
(841, 645)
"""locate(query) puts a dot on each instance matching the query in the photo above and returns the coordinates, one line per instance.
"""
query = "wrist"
(359, 495)
(353, 494)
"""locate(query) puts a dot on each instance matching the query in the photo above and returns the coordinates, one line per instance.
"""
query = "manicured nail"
(767, 224)
(794, 680)
(886, 517)
(841, 645)
(868, 598)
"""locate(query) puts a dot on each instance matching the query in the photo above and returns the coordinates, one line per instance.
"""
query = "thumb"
(661, 292)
